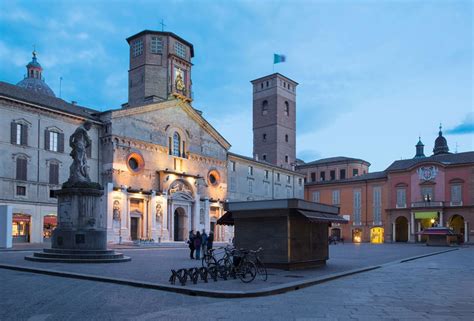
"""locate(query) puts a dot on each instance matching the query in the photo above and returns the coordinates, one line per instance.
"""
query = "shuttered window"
(456, 194)
(336, 197)
(19, 134)
(401, 197)
(54, 173)
(377, 205)
(54, 141)
(21, 168)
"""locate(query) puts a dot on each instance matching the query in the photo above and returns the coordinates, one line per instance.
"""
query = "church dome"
(33, 80)
(441, 144)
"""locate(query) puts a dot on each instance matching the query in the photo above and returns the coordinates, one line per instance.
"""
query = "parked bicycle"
(239, 264)
(256, 257)
(209, 259)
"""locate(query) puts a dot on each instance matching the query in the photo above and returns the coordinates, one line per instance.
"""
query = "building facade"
(396, 204)
(165, 169)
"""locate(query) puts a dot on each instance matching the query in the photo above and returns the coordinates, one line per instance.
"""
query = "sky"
(373, 75)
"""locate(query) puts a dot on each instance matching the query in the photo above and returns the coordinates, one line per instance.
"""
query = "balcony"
(427, 204)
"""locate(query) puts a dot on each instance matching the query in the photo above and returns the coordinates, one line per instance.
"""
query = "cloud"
(465, 127)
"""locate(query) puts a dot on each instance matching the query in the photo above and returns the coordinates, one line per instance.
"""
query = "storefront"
(21, 228)
(376, 235)
(49, 224)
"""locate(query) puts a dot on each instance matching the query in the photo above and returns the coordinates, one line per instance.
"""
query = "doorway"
(457, 224)
(134, 228)
(401, 229)
(376, 235)
(180, 224)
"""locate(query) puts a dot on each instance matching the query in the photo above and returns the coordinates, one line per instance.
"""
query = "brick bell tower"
(274, 120)
(160, 68)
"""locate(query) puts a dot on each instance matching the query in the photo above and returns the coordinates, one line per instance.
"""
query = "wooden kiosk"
(292, 232)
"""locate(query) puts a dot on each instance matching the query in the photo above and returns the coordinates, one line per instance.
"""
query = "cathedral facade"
(164, 168)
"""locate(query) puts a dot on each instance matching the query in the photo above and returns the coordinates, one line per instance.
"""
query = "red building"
(410, 195)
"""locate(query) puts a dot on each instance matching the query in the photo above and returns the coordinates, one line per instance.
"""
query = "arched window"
(286, 138)
(287, 108)
(176, 144)
(264, 107)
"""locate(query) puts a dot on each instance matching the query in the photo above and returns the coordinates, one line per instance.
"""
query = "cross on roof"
(162, 25)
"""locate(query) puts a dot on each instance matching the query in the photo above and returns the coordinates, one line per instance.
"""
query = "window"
(21, 168)
(264, 107)
(19, 134)
(266, 187)
(286, 138)
(300, 181)
(427, 194)
(54, 141)
(288, 192)
(342, 174)
(377, 205)
(355, 172)
(180, 49)
(261, 85)
(176, 144)
(156, 45)
(214, 178)
(250, 170)
(288, 179)
(357, 207)
(456, 195)
(264, 157)
(137, 47)
(54, 173)
(322, 176)
(336, 195)
(233, 185)
(287, 109)
(313, 177)
(266, 174)
(232, 166)
(267, 83)
(250, 186)
(278, 177)
(264, 137)
(332, 174)
(315, 196)
(21, 190)
(401, 198)
(286, 158)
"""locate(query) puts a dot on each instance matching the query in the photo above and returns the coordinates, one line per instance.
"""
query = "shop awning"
(424, 215)
(50, 219)
(226, 219)
(322, 217)
(437, 231)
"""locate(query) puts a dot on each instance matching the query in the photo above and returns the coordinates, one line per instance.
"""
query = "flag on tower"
(278, 58)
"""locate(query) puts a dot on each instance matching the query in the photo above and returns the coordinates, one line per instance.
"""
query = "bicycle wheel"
(208, 260)
(247, 271)
(262, 270)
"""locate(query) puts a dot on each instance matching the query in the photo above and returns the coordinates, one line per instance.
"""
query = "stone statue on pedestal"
(80, 142)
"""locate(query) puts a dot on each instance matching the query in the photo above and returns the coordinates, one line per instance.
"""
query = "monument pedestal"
(81, 235)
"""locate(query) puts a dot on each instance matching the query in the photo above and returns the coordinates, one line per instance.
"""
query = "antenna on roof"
(60, 85)
(456, 150)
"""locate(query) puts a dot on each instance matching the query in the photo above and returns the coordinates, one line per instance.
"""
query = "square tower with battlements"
(160, 68)
(274, 120)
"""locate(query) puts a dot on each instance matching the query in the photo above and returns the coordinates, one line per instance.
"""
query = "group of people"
(199, 242)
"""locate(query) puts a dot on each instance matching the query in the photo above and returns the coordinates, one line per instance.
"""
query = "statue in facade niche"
(79, 143)
(116, 211)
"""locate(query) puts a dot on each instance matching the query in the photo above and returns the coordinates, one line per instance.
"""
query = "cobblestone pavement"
(439, 287)
(154, 265)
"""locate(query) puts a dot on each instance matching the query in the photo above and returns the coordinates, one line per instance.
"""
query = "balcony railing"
(427, 204)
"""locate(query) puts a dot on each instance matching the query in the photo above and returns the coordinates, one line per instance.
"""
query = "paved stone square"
(154, 265)
(438, 287)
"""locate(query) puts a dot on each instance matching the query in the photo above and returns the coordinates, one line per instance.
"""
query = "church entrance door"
(134, 228)
(180, 224)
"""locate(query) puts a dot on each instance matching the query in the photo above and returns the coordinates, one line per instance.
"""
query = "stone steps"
(79, 252)
(78, 256)
(76, 260)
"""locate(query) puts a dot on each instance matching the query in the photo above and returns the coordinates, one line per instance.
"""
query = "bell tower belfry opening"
(274, 120)
(160, 68)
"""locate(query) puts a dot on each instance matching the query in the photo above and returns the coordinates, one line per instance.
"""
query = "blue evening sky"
(373, 75)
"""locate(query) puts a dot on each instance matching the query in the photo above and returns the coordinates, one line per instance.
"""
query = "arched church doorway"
(457, 224)
(180, 224)
(401, 229)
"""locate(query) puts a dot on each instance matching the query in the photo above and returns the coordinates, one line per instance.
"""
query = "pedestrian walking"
(197, 245)
(191, 244)
(204, 242)
(210, 240)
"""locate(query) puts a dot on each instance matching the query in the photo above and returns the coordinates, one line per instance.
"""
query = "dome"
(34, 80)
(441, 144)
(36, 85)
